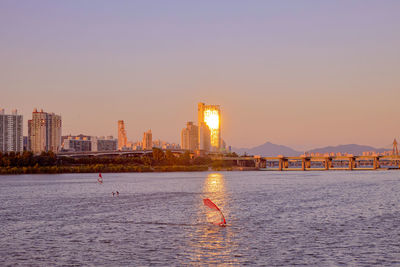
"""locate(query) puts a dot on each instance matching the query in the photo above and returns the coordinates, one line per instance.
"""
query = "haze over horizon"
(304, 74)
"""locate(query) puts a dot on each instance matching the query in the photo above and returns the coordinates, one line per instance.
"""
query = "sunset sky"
(298, 73)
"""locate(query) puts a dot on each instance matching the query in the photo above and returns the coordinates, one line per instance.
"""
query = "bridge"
(316, 163)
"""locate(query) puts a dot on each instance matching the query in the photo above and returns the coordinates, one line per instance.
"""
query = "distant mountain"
(351, 149)
(268, 150)
(272, 150)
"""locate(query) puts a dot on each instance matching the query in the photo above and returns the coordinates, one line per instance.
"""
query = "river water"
(329, 218)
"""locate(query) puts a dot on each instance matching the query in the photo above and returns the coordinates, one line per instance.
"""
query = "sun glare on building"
(211, 118)
(209, 127)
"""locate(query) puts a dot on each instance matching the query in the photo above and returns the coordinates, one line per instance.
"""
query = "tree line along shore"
(158, 161)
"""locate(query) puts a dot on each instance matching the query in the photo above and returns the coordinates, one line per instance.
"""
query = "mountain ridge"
(269, 149)
(354, 149)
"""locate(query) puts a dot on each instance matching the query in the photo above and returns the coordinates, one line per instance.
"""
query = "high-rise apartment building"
(11, 134)
(190, 137)
(209, 120)
(29, 145)
(44, 132)
(204, 137)
(122, 140)
(147, 140)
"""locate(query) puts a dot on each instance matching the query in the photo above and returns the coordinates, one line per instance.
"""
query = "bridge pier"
(285, 163)
(305, 162)
(308, 163)
(376, 163)
(352, 163)
(328, 163)
(260, 162)
(281, 163)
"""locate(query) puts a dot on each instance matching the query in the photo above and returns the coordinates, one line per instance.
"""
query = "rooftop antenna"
(395, 150)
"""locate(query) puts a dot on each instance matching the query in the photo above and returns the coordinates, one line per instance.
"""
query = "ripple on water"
(297, 218)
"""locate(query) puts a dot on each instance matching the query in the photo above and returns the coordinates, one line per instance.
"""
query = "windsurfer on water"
(207, 202)
(100, 179)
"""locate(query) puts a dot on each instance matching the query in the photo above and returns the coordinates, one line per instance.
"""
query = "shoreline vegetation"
(159, 161)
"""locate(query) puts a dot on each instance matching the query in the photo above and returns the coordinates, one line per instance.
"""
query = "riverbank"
(96, 168)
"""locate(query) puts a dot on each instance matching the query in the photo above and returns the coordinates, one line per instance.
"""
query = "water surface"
(274, 218)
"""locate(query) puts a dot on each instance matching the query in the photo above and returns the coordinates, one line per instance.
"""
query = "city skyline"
(132, 143)
(304, 75)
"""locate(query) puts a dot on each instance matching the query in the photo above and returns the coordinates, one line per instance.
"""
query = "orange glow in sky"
(314, 80)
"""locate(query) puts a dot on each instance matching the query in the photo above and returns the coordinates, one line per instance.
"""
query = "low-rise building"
(80, 143)
(104, 144)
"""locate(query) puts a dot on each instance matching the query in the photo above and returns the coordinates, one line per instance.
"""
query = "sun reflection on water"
(210, 242)
(214, 183)
(214, 188)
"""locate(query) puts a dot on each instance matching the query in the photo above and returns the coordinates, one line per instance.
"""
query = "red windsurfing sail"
(100, 179)
(210, 204)
(207, 202)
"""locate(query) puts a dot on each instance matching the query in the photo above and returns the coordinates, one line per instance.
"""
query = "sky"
(300, 73)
